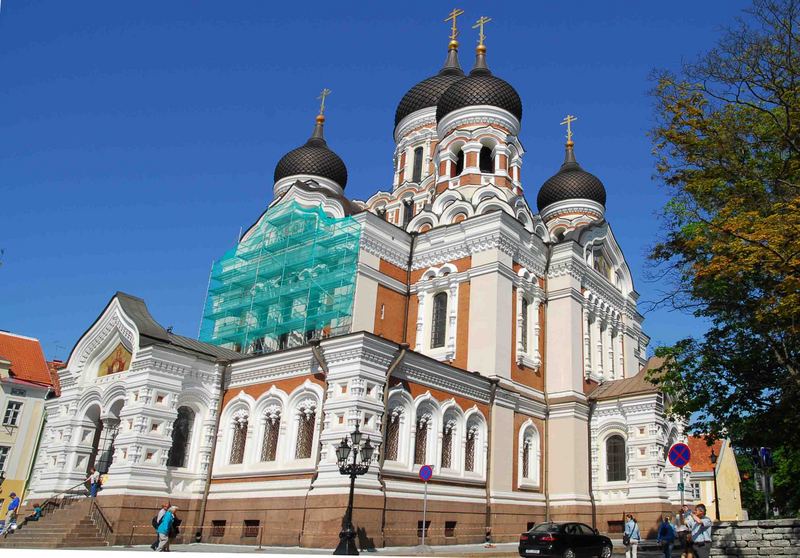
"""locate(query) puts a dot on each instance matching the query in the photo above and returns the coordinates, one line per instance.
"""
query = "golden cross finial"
(480, 23)
(325, 93)
(452, 16)
(568, 120)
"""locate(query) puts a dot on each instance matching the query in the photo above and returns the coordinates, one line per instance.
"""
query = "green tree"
(727, 142)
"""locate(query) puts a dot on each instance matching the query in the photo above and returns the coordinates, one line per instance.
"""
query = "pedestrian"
(37, 513)
(700, 527)
(157, 521)
(164, 528)
(94, 482)
(11, 516)
(666, 536)
(631, 536)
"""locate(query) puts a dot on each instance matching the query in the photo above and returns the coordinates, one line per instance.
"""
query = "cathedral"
(449, 320)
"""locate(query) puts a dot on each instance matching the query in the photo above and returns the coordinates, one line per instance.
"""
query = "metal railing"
(63, 499)
(100, 520)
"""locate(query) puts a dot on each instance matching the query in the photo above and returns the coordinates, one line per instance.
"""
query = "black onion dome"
(313, 158)
(569, 183)
(427, 92)
(480, 88)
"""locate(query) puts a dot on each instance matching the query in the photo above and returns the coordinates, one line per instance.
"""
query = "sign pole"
(424, 513)
(682, 487)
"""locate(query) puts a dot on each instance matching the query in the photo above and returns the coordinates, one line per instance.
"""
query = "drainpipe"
(384, 424)
(408, 286)
(488, 516)
(589, 445)
(546, 436)
(319, 357)
(31, 465)
(225, 364)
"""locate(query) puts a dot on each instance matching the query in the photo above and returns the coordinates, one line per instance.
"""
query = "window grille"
(526, 459)
(251, 527)
(439, 320)
(12, 413)
(416, 175)
(272, 427)
(393, 434)
(218, 528)
(469, 450)
(615, 459)
(447, 444)
(421, 442)
(524, 333)
(181, 435)
(239, 438)
(486, 163)
(305, 430)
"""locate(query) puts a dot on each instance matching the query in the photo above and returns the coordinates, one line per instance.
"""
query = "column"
(609, 345)
(420, 319)
(620, 371)
(598, 338)
(534, 314)
(519, 323)
(452, 308)
(587, 337)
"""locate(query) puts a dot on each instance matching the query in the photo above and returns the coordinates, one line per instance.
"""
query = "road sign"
(679, 455)
(425, 473)
(680, 486)
(766, 457)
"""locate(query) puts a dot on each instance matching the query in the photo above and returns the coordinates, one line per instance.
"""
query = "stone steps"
(68, 526)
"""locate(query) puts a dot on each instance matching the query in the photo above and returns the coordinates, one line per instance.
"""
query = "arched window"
(459, 163)
(393, 434)
(240, 419)
(469, 448)
(181, 434)
(438, 320)
(416, 174)
(306, 415)
(616, 469)
(524, 333)
(529, 453)
(272, 427)
(485, 160)
(421, 441)
(447, 443)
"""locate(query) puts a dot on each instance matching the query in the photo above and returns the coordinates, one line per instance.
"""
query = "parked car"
(565, 540)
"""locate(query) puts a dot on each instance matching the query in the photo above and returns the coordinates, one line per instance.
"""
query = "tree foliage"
(727, 142)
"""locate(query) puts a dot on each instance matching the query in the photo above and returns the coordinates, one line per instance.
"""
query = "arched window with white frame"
(529, 455)
(239, 441)
(439, 320)
(423, 425)
(524, 326)
(474, 443)
(306, 419)
(272, 428)
(181, 437)
(393, 434)
(450, 432)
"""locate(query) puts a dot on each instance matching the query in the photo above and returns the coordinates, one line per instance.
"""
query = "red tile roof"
(26, 357)
(701, 453)
(55, 366)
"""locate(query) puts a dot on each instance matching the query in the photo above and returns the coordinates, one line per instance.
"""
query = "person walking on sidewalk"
(94, 482)
(631, 537)
(700, 526)
(11, 516)
(164, 529)
(666, 536)
(157, 521)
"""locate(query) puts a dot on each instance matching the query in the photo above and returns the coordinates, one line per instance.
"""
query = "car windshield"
(545, 528)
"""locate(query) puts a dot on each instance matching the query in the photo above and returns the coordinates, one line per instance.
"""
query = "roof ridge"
(12, 334)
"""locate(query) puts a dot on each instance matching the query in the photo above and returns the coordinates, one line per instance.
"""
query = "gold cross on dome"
(480, 23)
(325, 93)
(568, 120)
(453, 15)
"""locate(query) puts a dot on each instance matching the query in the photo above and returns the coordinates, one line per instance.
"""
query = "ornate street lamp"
(713, 458)
(359, 464)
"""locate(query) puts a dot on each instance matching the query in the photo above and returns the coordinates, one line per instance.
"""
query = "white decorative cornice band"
(570, 206)
(418, 118)
(285, 183)
(480, 115)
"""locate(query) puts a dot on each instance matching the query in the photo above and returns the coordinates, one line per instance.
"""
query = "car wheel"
(605, 552)
(569, 553)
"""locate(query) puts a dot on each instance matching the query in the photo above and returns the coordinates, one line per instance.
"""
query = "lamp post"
(353, 459)
(714, 471)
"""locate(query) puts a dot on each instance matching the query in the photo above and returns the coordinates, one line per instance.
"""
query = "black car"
(566, 540)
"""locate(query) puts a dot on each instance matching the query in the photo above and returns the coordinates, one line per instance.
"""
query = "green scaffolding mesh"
(289, 281)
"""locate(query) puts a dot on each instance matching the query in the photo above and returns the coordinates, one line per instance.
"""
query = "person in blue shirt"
(633, 536)
(700, 527)
(666, 536)
(11, 516)
(164, 529)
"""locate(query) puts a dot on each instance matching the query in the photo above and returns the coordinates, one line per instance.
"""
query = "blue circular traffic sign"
(426, 472)
(679, 455)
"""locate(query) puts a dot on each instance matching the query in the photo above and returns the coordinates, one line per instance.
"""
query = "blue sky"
(137, 138)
